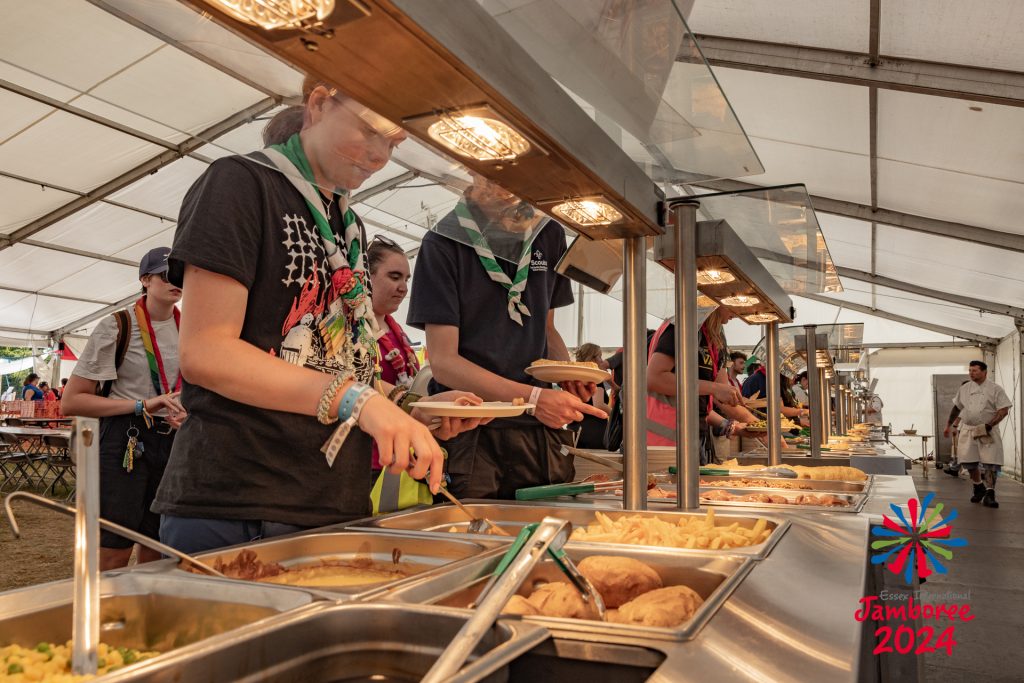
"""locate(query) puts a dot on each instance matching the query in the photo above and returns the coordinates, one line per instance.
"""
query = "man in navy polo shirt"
(485, 295)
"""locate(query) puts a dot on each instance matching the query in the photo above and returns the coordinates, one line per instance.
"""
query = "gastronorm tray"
(806, 485)
(159, 612)
(335, 642)
(855, 500)
(513, 516)
(432, 555)
(713, 578)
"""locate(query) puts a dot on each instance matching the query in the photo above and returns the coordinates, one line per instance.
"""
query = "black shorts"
(492, 462)
(125, 496)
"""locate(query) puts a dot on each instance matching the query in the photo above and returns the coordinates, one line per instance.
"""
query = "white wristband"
(534, 397)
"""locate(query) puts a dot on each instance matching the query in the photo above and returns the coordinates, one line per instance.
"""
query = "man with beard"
(485, 293)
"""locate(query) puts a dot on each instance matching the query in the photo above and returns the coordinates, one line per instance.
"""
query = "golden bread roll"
(520, 605)
(619, 579)
(665, 607)
(559, 599)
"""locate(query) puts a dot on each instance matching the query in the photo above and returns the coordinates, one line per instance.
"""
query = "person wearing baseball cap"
(128, 377)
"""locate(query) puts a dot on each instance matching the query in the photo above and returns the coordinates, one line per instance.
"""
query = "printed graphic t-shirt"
(231, 460)
(706, 369)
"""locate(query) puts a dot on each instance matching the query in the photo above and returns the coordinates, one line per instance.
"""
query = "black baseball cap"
(155, 261)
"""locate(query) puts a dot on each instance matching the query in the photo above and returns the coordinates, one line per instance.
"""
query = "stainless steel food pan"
(713, 578)
(425, 556)
(512, 516)
(144, 611)
(341, 642)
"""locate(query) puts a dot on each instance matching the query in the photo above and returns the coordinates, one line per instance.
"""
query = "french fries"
(688, 532)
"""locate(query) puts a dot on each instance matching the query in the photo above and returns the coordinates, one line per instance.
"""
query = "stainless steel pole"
(813, 388)
(85, 629)
(771, 335)
(634, 374)
(687, 406)
(826, 404)
(840, 406)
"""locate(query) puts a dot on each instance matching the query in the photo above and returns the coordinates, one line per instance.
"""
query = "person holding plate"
(278, 342)
(486, 293)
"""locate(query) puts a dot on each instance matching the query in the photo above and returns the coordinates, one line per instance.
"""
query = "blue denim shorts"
(195, 535)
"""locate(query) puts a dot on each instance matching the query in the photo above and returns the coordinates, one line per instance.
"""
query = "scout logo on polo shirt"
(538, 262)
(914, 544)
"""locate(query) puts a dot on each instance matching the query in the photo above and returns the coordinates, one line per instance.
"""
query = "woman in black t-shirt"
(278, 328)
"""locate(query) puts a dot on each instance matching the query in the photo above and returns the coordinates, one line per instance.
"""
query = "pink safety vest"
(661, 409)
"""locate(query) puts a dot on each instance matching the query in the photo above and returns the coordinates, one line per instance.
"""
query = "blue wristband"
(348, 400)
(139, 407)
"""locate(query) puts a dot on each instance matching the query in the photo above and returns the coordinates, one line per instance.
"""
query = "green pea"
(100, 662)
(43, 647)
(15, 669)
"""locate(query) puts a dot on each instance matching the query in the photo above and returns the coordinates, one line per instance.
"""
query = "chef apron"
(970, 450)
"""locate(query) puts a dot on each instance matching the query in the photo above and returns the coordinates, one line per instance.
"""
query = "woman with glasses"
(128, 377)
(279, 343)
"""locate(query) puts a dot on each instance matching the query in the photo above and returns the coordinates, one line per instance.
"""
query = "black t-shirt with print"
(451, 287)
(235, 461)
(706, 369)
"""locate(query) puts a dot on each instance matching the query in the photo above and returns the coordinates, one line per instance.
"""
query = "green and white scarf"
(515, 286)
(348, 256)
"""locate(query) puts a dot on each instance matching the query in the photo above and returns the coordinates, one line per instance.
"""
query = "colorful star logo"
(915, 545)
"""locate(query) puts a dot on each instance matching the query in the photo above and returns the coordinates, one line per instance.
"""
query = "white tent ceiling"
(111, 108)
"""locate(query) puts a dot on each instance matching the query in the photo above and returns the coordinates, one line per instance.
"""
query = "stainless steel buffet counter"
(780, 611)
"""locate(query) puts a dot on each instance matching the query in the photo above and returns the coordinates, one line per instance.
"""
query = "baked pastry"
(619, 579)
(665, 607)
(559, 599)
(519, 605)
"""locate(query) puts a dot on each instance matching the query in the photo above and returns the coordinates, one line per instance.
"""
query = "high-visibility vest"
(393, 492)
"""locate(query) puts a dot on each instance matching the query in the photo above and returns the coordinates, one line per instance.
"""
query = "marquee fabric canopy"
(906, 125)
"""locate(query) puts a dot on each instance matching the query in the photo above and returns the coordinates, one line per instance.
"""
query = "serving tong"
(476, 524)
(530, 546)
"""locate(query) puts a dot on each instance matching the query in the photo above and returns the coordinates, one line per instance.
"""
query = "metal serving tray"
(435, 554)
(346, 642)
(144, 611)
(713, 578)
(513, 516)
(855, 500)
(807, 485)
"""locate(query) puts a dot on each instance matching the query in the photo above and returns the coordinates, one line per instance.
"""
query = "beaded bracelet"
(323, 408)
(397, 392)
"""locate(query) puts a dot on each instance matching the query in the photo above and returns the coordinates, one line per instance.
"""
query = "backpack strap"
(124, 332)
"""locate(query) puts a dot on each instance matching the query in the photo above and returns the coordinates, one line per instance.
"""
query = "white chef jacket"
(874, 418)
(978, 404)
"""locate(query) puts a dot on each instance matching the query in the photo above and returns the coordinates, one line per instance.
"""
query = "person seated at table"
(128, 377)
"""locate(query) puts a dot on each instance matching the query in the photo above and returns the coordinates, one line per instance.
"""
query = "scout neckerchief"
(402, 358)
(515, 286)
(153, 357)
(348, 266)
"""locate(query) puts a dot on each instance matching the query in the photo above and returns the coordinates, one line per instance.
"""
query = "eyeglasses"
(162, 276)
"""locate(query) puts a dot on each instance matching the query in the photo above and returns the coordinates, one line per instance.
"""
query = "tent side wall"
(905, 387)
(1007, 373)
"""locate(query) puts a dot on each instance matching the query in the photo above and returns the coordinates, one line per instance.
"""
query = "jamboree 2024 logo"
(910, 545)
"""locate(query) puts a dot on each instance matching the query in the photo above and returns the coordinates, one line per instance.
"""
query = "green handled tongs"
(570, 489)
(780, 472)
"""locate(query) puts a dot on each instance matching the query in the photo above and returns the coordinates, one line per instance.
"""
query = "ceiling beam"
(921, 345)
(32, 292)
(890, 73)
(931, 226)
(95, 315)
(79, 252)
(137, 173)
(969, 302)
(939, 329)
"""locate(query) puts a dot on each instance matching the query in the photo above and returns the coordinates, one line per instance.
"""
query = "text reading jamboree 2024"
(904, 638)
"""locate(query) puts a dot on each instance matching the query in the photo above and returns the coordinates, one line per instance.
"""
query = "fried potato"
(517, 604)
(688, 532)
(559, 599)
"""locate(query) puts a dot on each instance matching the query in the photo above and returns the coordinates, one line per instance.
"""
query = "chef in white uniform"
(981, 405)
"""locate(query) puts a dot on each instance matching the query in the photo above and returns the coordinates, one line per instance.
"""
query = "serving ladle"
(477, 525)
(108, 525)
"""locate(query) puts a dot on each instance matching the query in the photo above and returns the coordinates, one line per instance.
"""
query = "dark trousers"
(492, 462)
(125, 496)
